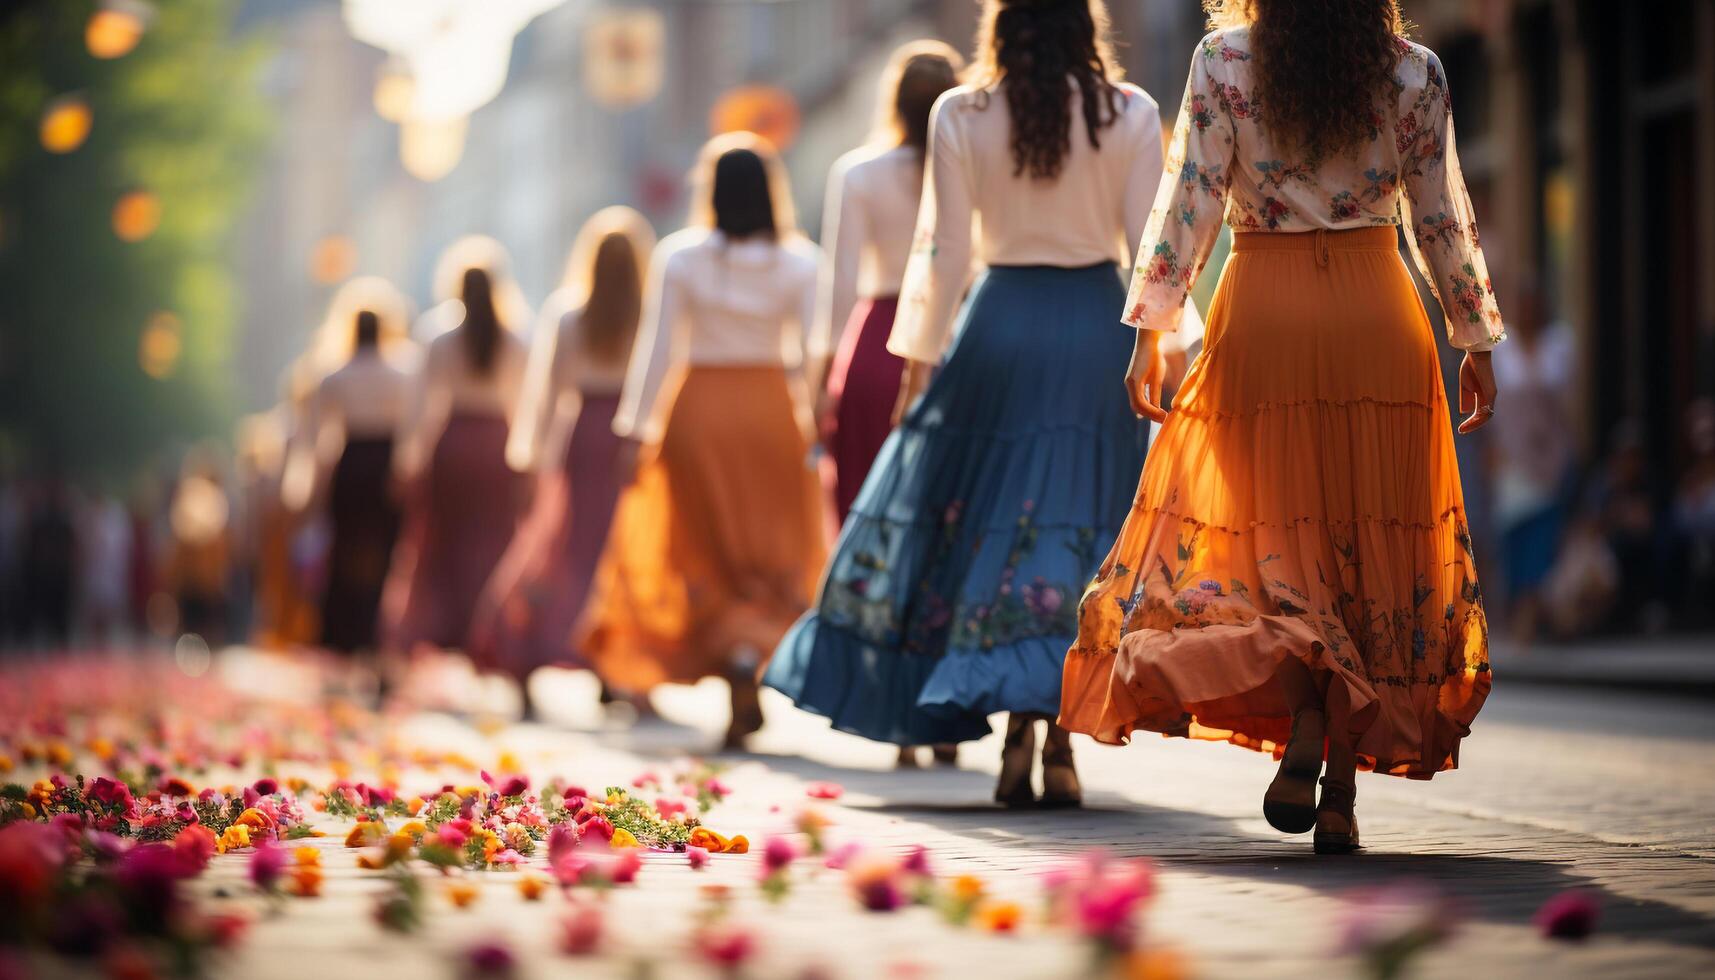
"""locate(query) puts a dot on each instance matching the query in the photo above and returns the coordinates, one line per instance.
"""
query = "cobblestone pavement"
(1607, 792)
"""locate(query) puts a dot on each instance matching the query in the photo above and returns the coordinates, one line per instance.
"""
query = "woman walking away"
(463, 502)
(564, 432)
(873, 195)
(351, 421)
(950, 593)
(1296, 567)
(714, 549)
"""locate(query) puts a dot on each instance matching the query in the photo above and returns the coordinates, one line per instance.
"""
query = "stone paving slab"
(1237, 898)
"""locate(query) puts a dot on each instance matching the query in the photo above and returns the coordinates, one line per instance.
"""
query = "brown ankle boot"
(1016, 757)
(1336, 819)
(1060, 787)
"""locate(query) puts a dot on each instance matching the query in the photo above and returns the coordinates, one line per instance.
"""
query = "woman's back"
(451, 373)
(882, 187)
(368, 395)
(1230, 166)
(1078, 218)
(735, 301)
(1091, 212)
(712, 300)
(1275, 189)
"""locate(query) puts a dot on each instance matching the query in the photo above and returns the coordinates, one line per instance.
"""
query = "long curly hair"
(1040, 48)
(1320, 68)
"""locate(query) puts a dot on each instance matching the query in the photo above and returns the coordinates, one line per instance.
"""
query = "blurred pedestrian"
(715, 548)
(1296, 572)
(199, 561)
(351, 421)
(48, 563)
(871, 211)
(12, 511)
(1622, 499)
(1532, 456)
(951, 593)
(563, 437)
(1694, 515)
(462, 500)
(282, 614)
(104, 602)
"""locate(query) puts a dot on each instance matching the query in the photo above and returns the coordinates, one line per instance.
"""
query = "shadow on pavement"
(1490, 887)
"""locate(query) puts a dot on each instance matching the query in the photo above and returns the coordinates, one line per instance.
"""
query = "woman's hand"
(911, 385)
(822, 411)
(1476, 390)
(1144, 378)
(625, 461)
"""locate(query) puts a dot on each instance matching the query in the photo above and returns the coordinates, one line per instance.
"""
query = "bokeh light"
(430, 149)
(158, 349)
(765, 110)
(333, 259)
(115, 28)
(66, 124)
(192, 655)
(394, 90)
(136, 215)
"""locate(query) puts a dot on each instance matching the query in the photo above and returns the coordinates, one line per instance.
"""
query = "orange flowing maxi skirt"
(1302, 500)
(718, 544)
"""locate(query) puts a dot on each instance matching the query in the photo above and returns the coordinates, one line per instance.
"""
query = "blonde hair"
(604, 278)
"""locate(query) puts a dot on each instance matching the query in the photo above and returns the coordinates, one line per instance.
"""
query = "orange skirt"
(1302, 500)
(717, 546)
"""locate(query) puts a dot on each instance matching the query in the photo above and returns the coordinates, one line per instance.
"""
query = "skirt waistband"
(1380, 237)
(1072, 270)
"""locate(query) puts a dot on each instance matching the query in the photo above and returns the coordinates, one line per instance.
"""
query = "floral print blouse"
(1222, 163)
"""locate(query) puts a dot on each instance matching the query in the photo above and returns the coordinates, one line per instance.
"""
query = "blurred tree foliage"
(183, 117)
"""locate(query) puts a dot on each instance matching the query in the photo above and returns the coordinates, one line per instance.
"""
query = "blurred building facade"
(1587, 130)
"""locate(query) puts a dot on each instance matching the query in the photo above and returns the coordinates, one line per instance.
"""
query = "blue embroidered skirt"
(953, 590)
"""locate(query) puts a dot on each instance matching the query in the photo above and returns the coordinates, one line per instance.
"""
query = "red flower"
(195, 846)
(1568, 915)
(581, 932)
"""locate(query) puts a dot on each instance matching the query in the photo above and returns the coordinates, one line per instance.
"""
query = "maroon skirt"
(532, 603)
(459, 520)
(863, 384)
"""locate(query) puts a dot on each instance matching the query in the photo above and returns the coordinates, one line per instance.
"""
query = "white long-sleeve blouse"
(1223, 164)
(1090, 213)
(711, 300)
(869, 214)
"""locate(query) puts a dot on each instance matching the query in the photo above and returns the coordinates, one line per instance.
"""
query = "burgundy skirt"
(526, 615)
(863, 383)
(459, 520)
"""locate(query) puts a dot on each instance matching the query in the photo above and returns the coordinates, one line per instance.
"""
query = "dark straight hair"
(481, 324)
(740, 195)
(367, 335)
